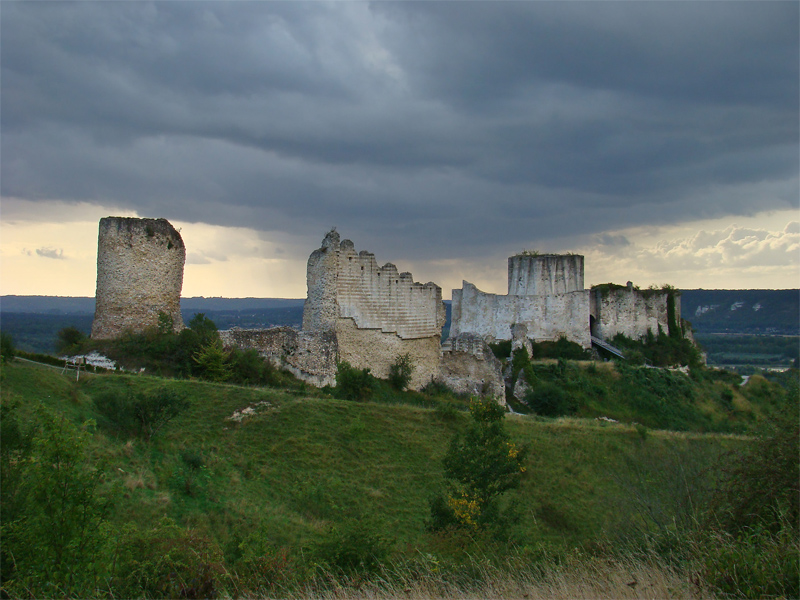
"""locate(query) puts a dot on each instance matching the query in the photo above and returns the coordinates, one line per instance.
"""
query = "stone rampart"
(547, 317)
(139, 275)
(630, 311)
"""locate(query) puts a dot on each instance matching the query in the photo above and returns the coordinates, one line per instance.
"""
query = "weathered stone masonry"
(139, 275)
(356, 312)
(545, 294)
(376, 313)
(546, 301)
(632, 312)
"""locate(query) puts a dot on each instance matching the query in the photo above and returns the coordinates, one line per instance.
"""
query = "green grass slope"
(299, 469)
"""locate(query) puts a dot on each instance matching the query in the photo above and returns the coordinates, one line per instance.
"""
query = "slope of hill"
(770, 312)
(268, 490)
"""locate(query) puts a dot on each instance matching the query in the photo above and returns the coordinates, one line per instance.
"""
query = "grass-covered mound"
(272, 491)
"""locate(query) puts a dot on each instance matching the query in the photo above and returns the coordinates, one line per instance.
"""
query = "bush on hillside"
(52, 546)
(69, 340)
(143, 414)
(7, 350)
(750, 547)
(549, 399)
(400, 372)
(660, 350)
(352, 383)
(481, 464)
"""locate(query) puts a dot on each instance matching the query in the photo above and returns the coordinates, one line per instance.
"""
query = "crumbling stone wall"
(547, 318)
(310, 356)
(468, 366)
(631, 312)
(545, 294)
(376, 313)
(357, 312)
(139, 275)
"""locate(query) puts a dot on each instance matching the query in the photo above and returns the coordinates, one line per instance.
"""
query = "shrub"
(57, 538)
(7, 350)
(69, 340)
(142, 413)
(355, 548)
(400, 372)
(501, 349)
(352, 383)
(550, 400)
(481, 464)
(166, 561)
(212, 361)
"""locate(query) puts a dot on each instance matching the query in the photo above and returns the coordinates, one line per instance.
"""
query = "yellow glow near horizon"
(50, 248)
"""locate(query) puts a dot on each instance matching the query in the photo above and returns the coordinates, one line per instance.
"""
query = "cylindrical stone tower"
(139, 276)
(545, 274)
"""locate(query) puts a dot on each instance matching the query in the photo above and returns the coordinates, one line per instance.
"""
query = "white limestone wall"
(547, 318)
(545, 275)
(343, 283)
(139, 275)
(630, 312)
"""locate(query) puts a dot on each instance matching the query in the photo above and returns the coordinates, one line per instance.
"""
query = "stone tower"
(139, 275)
(545, 274)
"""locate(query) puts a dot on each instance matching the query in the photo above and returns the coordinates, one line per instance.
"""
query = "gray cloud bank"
(423, 129)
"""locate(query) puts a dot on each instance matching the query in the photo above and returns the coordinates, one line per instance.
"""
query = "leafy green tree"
(481, 464)
(205, 328)
(58, 537)
(7, 350)
(212, 361)
(69, 339)
(400, 372)
(352, 383)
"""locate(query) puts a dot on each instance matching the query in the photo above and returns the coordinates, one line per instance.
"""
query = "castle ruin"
(139, 276)
(547, 301)
(370, 316)
(545, 293)
(360, 313)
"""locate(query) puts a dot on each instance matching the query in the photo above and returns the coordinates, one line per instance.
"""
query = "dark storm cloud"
(417, 126)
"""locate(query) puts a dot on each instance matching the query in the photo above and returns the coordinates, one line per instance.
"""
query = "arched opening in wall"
(593, 326)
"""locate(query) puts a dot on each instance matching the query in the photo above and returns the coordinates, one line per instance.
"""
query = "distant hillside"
(770, 312)
(33, 321)
(64, 305)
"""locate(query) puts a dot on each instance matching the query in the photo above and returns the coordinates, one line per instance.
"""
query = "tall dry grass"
(581, 577)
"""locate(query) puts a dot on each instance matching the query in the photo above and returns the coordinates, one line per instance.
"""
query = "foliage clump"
(480, 465)
(7, 349)
(140, 413)
(400, 372)
(353, 383)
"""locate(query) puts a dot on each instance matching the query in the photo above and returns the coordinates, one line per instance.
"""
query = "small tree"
(69, 338)
(400, 372)
(352, 383)
(154, 410)
(481, 464)
(212, 360)
(7, 350)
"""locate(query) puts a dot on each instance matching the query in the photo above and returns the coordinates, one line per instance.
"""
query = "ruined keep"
(546, 301)
(139, 276)
(545, 293)
(360, 313)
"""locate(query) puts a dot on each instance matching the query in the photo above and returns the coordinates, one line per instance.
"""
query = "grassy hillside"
(270, 500)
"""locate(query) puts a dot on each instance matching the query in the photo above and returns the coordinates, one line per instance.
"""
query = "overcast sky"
(660, 139)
